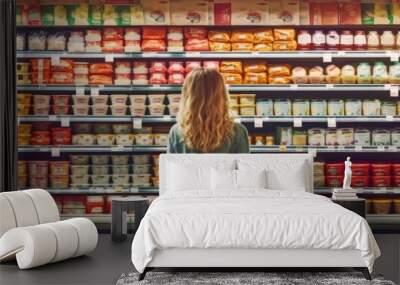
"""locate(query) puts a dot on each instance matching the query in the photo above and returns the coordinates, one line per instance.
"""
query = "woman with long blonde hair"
(203, 122)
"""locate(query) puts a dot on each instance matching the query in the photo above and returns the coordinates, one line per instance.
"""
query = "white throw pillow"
(182, 177)
(223, 179)
(251, 178)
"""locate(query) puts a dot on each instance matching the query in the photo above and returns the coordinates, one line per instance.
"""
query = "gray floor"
(103, 266)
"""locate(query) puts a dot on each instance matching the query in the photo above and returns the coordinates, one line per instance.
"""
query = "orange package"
(101, 68)
(231, 67)
(263, 36)
(154, 33)
(216, 46)
(65, 65)
(255, 78)
(153, 45)
(279, 70)
(101, 79)
(279, 80)
(40, 64)
(195, 33)
(242, 36)
(255, 66)
(284, 34)
(219, 36)
(263, 47)
(61, 78)
(197, 45)
(285, 45)
(232, 78)
(242, 46)
(111, 34)
(113, 46)
(41, 77)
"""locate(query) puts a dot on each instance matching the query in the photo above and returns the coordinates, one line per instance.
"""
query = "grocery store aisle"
(103, 266)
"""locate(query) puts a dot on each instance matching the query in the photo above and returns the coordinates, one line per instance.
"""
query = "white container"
(138, 99)
(144, 139)
(173, 109)
(79, 170)
(319, 107)
(335, 107)
(41, 100)
(80, 179)
(138, 111)
(174, 98)
(156, 99)
(141, 159)
(100, 100)
(353, 107)
(141, 168)
(120, 159)
(120, 179)
(362, 137)
(265, 108)
(101, 180)
(100, 110)
(141, 180)
(125, 139)
(380, 137)
(105, 139)
(83, 139)
(100, 169)
(80, 110)
(345, 136)
(118, 99)
(395, 137)
(80, 100)
(282, 108)
(161, 139)
(157, 110)
(99, 159)
(120, 169)
(316, 137)
(372, 107)
(118, 110)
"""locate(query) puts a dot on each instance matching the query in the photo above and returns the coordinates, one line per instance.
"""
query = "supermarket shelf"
(367, 190)
(247, 119)
(105, 191)
(237, 88)
(383, 219)
(76, 148)
(96, 218)
(207, 55)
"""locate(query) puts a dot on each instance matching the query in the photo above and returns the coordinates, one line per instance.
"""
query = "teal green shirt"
(238, 143)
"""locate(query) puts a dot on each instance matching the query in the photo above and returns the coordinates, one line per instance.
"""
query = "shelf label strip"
(258, 122)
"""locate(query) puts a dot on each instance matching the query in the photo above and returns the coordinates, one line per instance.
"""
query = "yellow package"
(82, 14)
(242, 36)
(263, 36)
(60, 15)
(231, 66)
(285, 45)
(255, 78)
(255, 66)
(263, 47)
(232, 78)
(137, 14)
(216, 46)
(219, 36)
(110, 15)
(242, 46)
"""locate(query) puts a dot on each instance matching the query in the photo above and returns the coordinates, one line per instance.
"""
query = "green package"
(367, 13)
(96, 15)
(48, 15)
(124, 15)
(71, 14)
(18, 15)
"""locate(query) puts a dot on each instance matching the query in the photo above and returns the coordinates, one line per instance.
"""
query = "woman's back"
(237, 143)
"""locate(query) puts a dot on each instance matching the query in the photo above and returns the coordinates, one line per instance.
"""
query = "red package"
(333, 181)
(176, 67)
(381, 181)
(61, 136)
(360, 169)
(34, 16)
(113, 46)
(360, 181)
(211, 64)
(396, 169)
(41, 77)
(40, 138)
(334, 169)
(101, 79)
(113, 34)
(101, 68)
(380, 169)
(60, 109)
(190, 65)
(158, 67)
(61, 78)
(158, 78)
(329, 13)
(40, 64)
(95, 205)
(176, 78)
(154, 45)
(154, 33)
(197, 45)
(222, 13)
(65, 65)
(396, 181)
(195, 33)
(350, 13)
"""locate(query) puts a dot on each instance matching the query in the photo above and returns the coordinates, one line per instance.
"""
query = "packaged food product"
(348, 75)
(334, 169)
(100, 110)
(331, 137)
(154, 33)
(56, 42)
(218, 46)
(38, 167)
(380, 137)
(316, 137)
(41, 110)
(102, 128)
(118, 110)
(279, 70)
(173, 109)
(161, 139)
(242, 46)
(59, 167)
(120, 179)
(283, 34)
(299, 137)
(37, 41)
(158, 78)
(395, 137)
(119, 159)
(394, 71)
(125, 139)
(41, 99)
(388, 108)
(211, 64)
(371, 107)
(255, 78)
(319, 107)
(360, 181)
(79, 180)
(79, 159)
(345, 136)
(138, 111)
(158, 67)
(380, 73)
(137, 99)
(190, 65)
(140, 67)
(105, 139)
(279, 80)
(263, 36)
(247, 110)
(197, 45)
(144, 139)
(141, 180)
(195, 32)
(242, 36)
(282, 107)
(154, 45)
(219, 36)
(79, 170)
(61, 136)
(120, 169)
(101, 68)
(141, 159)
(100, 159)
(335, 107)
(101, 79)
(232, 78)
(353, 107)
(80, 110)
(255, 66)
(263, 47)
(176, 67)
(38, 182)
(284, 135)
(157, 109)
(301, 107)
(362, 137)
(299, 75)
(98, 179)
(284, 45)
(83, 139)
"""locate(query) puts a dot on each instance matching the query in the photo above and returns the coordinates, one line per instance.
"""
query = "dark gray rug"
(243, 278)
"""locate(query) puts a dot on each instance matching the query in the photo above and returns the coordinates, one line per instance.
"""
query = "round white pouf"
(87, 234)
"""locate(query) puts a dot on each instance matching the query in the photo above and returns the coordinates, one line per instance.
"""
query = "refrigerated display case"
(98, 90)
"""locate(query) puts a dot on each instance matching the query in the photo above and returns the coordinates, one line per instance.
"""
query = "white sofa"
(31, 230)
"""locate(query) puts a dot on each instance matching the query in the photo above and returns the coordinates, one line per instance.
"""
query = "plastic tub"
(141, 168)
(23, 110)
(360, 169)
(381, 181)
(247, 99)
(125, 139)
(79, 179)
(99, 110)
(382, 206)
(137, 100)
(160, 139)
(173, 109)
(141, 180)
(99, 159)
(120, 179)
(24, 129)
(360, 181)
(83, 139)
(59, 181)
(156, 99)
(79, 159)
(120, 169)
(41, 110)
(60, 110)
(333, 181)
(105, 139)
(80, 100)
(80, 110)
(79, 170)
(144, 139)
(38, 168)
(24, 139)
(60, 100)
(101, 180)
(120, 159)
(381, 169)
(157, 110)
(138, 111)
(174, 98)
(100, 169)
(41, 99)
(118, 99)
(100, 100)
(22, 168)
(141, 159)
(118, 110)
(95, 205)
(59, 167)
(38, 182)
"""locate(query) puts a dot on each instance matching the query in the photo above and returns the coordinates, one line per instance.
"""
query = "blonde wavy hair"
(203, 116)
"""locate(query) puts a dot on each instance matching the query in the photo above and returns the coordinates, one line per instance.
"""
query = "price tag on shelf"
(137, 123)
(55, 60)
(394, 91)
(389, 118)
(135, 189)
(329, 86)
(331, 147)
(55, 151)
(282, 148)
(380, 148)
(109, 57)
(387, 86)
(312, 151)
(297, 122)
(118, 188)
(394, 56)
(94, 91)
(65, 122)
(238, 120)
(79, 90)
(392, 148)
(331, 122)
(358, 148)
(117, 148)
(167, 117)
(258, 122)
(294, 86)
(52, 118)
(327, 57)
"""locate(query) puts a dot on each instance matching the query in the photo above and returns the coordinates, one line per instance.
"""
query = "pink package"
(190, 65)
(176, 67)
(176, 78)
(158, 78)
(140, 67)
(158, 67)
(211, 64)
